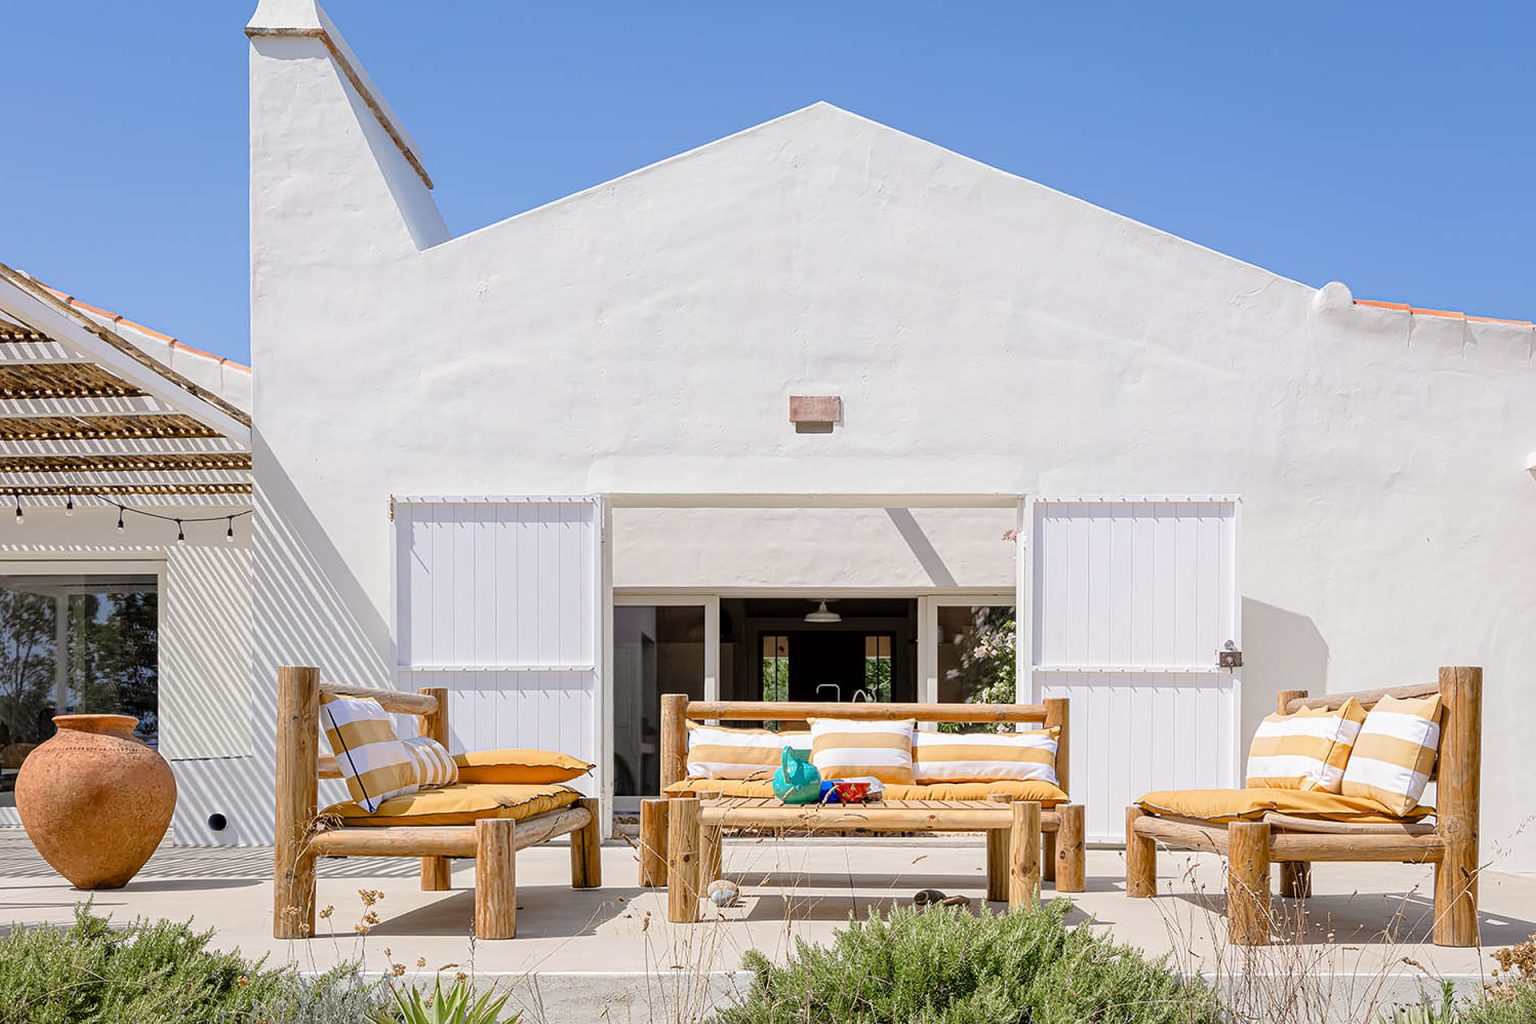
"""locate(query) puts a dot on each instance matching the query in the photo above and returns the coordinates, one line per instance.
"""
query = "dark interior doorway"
(870, 654)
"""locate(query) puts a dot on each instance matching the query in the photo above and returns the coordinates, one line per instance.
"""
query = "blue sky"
(1384, 145)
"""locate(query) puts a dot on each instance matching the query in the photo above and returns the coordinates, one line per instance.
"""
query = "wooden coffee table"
(1012, 830)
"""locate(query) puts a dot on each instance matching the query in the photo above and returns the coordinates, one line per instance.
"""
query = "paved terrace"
(577, 950)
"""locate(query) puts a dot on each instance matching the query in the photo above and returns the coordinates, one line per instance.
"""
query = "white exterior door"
(1131, 605)
(502, 601)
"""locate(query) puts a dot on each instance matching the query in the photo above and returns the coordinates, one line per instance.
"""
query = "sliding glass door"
(661, 644)
(73, 644)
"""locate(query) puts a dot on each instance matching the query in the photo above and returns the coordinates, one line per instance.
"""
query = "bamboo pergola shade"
(122, 463)
(61, 401)
(62, 380)
(101, 428)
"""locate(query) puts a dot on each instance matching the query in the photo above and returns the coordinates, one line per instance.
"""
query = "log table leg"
(711, 852)
(1295, 879)
(1024, 855)
(682, 861)
(1248, 883)
(1071, 856)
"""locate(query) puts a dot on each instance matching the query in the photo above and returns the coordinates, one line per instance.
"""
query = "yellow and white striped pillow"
(843, 748)
(715, 752)
(1306, 750)
(433, 765)
(985, 756)
(372, 759)
(1395, 753)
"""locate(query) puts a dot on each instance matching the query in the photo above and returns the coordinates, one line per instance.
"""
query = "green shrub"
(457, 1004)
(159, 972)
(1515, 1004)
(948, 966)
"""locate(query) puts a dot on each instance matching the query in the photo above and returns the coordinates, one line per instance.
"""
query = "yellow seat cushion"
(520, 767)
(1017, 789)
(461, 804)
(1220, 806)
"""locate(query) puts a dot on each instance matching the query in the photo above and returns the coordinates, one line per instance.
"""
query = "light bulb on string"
(119, 519)
(181, 535)
(229, 533)
(20, 517)
(69, 503)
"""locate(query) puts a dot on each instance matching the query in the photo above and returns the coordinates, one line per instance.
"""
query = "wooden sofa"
(1061, 827)
(301, 836)
(1450, 843)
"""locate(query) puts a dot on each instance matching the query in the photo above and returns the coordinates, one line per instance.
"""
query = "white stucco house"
(631, 441)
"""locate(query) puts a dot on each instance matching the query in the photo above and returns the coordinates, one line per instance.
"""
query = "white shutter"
(1130, 604)
(500, 601)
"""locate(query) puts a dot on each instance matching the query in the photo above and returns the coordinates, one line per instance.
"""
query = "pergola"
(96, 409)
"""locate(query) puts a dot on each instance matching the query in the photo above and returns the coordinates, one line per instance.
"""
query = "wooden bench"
(1061, 848)
(300, 838)
(1451, 843)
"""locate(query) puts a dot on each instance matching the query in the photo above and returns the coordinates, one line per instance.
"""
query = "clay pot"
(95, 801)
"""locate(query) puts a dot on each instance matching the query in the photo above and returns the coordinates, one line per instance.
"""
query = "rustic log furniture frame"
(1059, 833)
(1451, 843)
(493, 842)
(1013, 830)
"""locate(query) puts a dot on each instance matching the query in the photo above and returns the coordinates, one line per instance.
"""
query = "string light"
(123, 510)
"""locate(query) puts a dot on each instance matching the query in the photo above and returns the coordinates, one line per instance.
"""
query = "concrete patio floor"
(1365, 929)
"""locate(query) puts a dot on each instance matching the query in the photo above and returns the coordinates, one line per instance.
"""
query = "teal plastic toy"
(797, 781)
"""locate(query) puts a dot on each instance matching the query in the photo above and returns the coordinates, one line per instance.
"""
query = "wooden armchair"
(492, 842)
(1451, 843)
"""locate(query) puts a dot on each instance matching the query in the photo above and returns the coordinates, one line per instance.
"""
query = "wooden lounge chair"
(491, 841)
(1062, 854)
(1294, 842)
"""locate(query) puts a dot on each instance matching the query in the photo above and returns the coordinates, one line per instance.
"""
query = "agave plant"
(457, 1005)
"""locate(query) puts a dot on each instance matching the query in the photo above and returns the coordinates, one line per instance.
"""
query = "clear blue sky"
(1385, 145)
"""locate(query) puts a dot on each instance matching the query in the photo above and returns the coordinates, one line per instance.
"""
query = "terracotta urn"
(95, 800)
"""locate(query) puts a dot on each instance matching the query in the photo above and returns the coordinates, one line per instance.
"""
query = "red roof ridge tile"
(1446, 313)
(120, 319)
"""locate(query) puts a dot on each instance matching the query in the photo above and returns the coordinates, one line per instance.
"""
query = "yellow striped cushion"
(372, 759)
(716, 752)
(1395, 752)
(1306, 750)
(843, 748)
(433, 767)
(985, 756)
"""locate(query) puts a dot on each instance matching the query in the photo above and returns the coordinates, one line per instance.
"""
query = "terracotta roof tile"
(1447, 313)
(119, 319)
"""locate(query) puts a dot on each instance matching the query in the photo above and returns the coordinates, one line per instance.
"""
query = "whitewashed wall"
(987, 334)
